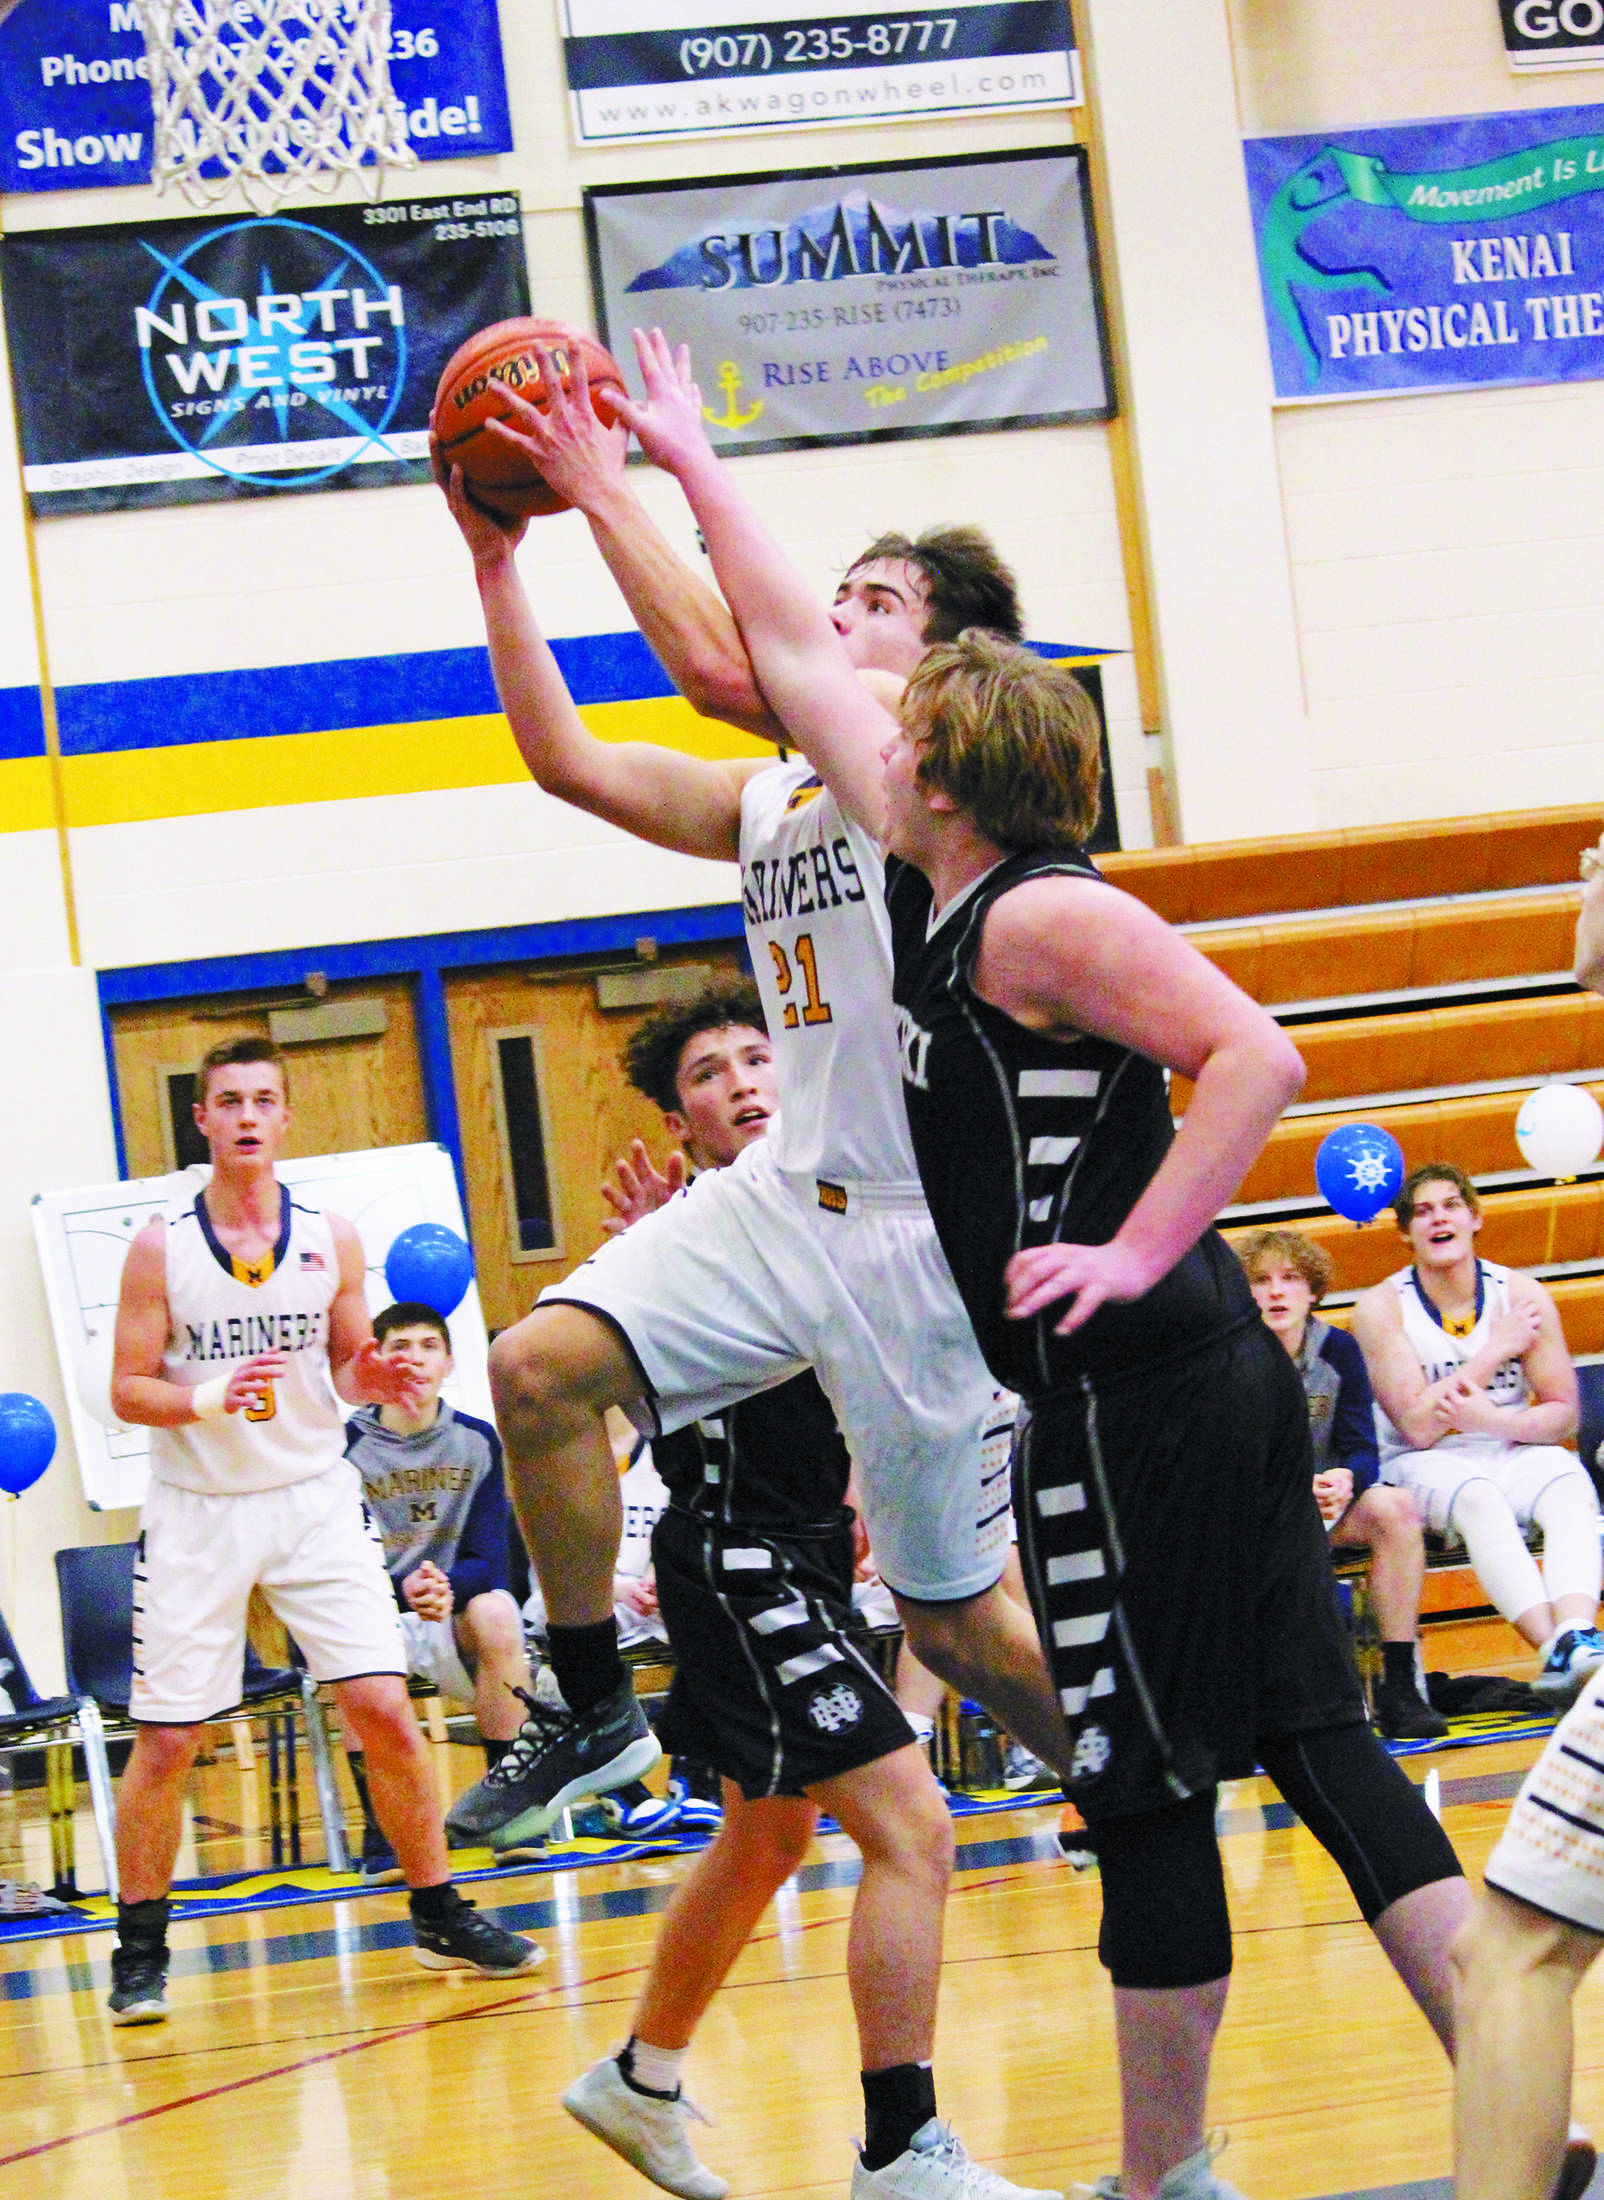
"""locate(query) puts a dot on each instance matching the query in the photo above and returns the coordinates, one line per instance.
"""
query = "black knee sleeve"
(1165, 1921)
(1363, 1811)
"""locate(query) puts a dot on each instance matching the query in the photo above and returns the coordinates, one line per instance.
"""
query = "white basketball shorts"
(433, 1654)
(755, 1274)
(319, 1564)
(1551, 1853)
(1521, 1471)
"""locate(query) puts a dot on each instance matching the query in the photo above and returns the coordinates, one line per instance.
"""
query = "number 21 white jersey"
(813, 896)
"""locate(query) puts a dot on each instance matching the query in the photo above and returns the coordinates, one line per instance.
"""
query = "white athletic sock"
(1567, 1513)
(654, 2069)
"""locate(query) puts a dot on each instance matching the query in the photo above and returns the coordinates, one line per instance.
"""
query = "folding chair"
(59, 1721)
(97, 1631)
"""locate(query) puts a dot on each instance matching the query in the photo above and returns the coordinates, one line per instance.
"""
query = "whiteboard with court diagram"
(84, 1236)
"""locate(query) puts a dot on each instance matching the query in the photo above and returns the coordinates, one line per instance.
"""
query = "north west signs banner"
(641, 69)
(852, 305)
(1433, 255)
(175, 362)
(75, 107)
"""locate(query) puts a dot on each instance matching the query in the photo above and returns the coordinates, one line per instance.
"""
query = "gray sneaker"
(645, 2128)
(1193, 2179)
(562, 1759)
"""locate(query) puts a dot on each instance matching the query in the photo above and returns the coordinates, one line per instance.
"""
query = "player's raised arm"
(801, 662)
(689, 803)
(1064, 955)
(688, 624)
(359, 1371)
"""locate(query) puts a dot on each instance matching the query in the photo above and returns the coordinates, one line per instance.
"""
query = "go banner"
(1433, 255)
(176, 362)
(75, 89)
(852, 305)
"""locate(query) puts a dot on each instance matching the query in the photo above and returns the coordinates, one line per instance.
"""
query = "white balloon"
(1560, 1129)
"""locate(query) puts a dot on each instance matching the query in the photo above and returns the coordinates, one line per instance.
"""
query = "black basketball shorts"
(1179, 1571)
(769, 1686)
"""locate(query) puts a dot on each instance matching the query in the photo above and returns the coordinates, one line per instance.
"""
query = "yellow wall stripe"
(420, 758)
(26, 804)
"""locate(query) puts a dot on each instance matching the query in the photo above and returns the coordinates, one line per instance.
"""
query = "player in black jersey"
(753, 1558)
(1163, 1486)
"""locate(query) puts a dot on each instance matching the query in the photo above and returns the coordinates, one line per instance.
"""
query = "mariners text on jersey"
(241, 1337)
(805, 883)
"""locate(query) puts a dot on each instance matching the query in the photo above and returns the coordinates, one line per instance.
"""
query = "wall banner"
(1433, 255)
(641, 69)
(1553, 34)
(177, 362)
(856, 305)
(75, 98)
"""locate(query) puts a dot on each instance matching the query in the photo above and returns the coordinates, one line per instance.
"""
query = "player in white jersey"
(241, 1324)
(815, 1246)
(1475, 1395)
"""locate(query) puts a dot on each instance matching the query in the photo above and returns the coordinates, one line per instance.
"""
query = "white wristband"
(208, 1401)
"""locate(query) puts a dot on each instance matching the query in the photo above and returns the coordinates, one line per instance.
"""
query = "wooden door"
(587, 1117)
(346, 1095)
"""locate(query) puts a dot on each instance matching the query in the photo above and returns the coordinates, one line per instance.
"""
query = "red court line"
(378, 2039)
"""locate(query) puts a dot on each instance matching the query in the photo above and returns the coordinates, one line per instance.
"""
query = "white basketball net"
(276, 93)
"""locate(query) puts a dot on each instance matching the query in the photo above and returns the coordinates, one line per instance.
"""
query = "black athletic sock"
(359, 1780)
(585, 1663)
(433, 1905)
(144, 1924)
(1398, 1666)
(896, 2102)
(494, 1752)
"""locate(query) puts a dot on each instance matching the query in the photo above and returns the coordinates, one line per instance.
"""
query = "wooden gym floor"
(309, 2058)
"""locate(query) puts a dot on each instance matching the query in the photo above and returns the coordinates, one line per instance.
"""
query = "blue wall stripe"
(22, 725)
(103, 716)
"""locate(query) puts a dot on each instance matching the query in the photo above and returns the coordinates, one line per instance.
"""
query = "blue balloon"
(429, 1265)
(27, 1440)
(1359, 1169)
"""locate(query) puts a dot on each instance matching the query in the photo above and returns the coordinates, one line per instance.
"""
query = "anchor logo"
(729, 381)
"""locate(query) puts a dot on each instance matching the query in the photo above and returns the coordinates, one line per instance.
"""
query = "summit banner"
(857, 305)
(1433, 255)
(644, 69)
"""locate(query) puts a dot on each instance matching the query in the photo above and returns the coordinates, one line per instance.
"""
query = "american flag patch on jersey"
(312, 1260)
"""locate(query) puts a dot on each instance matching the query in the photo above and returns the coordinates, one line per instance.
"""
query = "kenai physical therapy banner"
(640, 69)
(1433, 254)
(852, 305)
(75, 93)
(175, 362)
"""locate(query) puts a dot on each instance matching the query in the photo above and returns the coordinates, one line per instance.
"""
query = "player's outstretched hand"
(668, 426)
(574, 451)
(641, 1187)
(383, 1381)
(489, 539)
(1086, 1275)
(251, 1384)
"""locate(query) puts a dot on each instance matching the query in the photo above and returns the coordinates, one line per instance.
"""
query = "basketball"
(499, 476)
